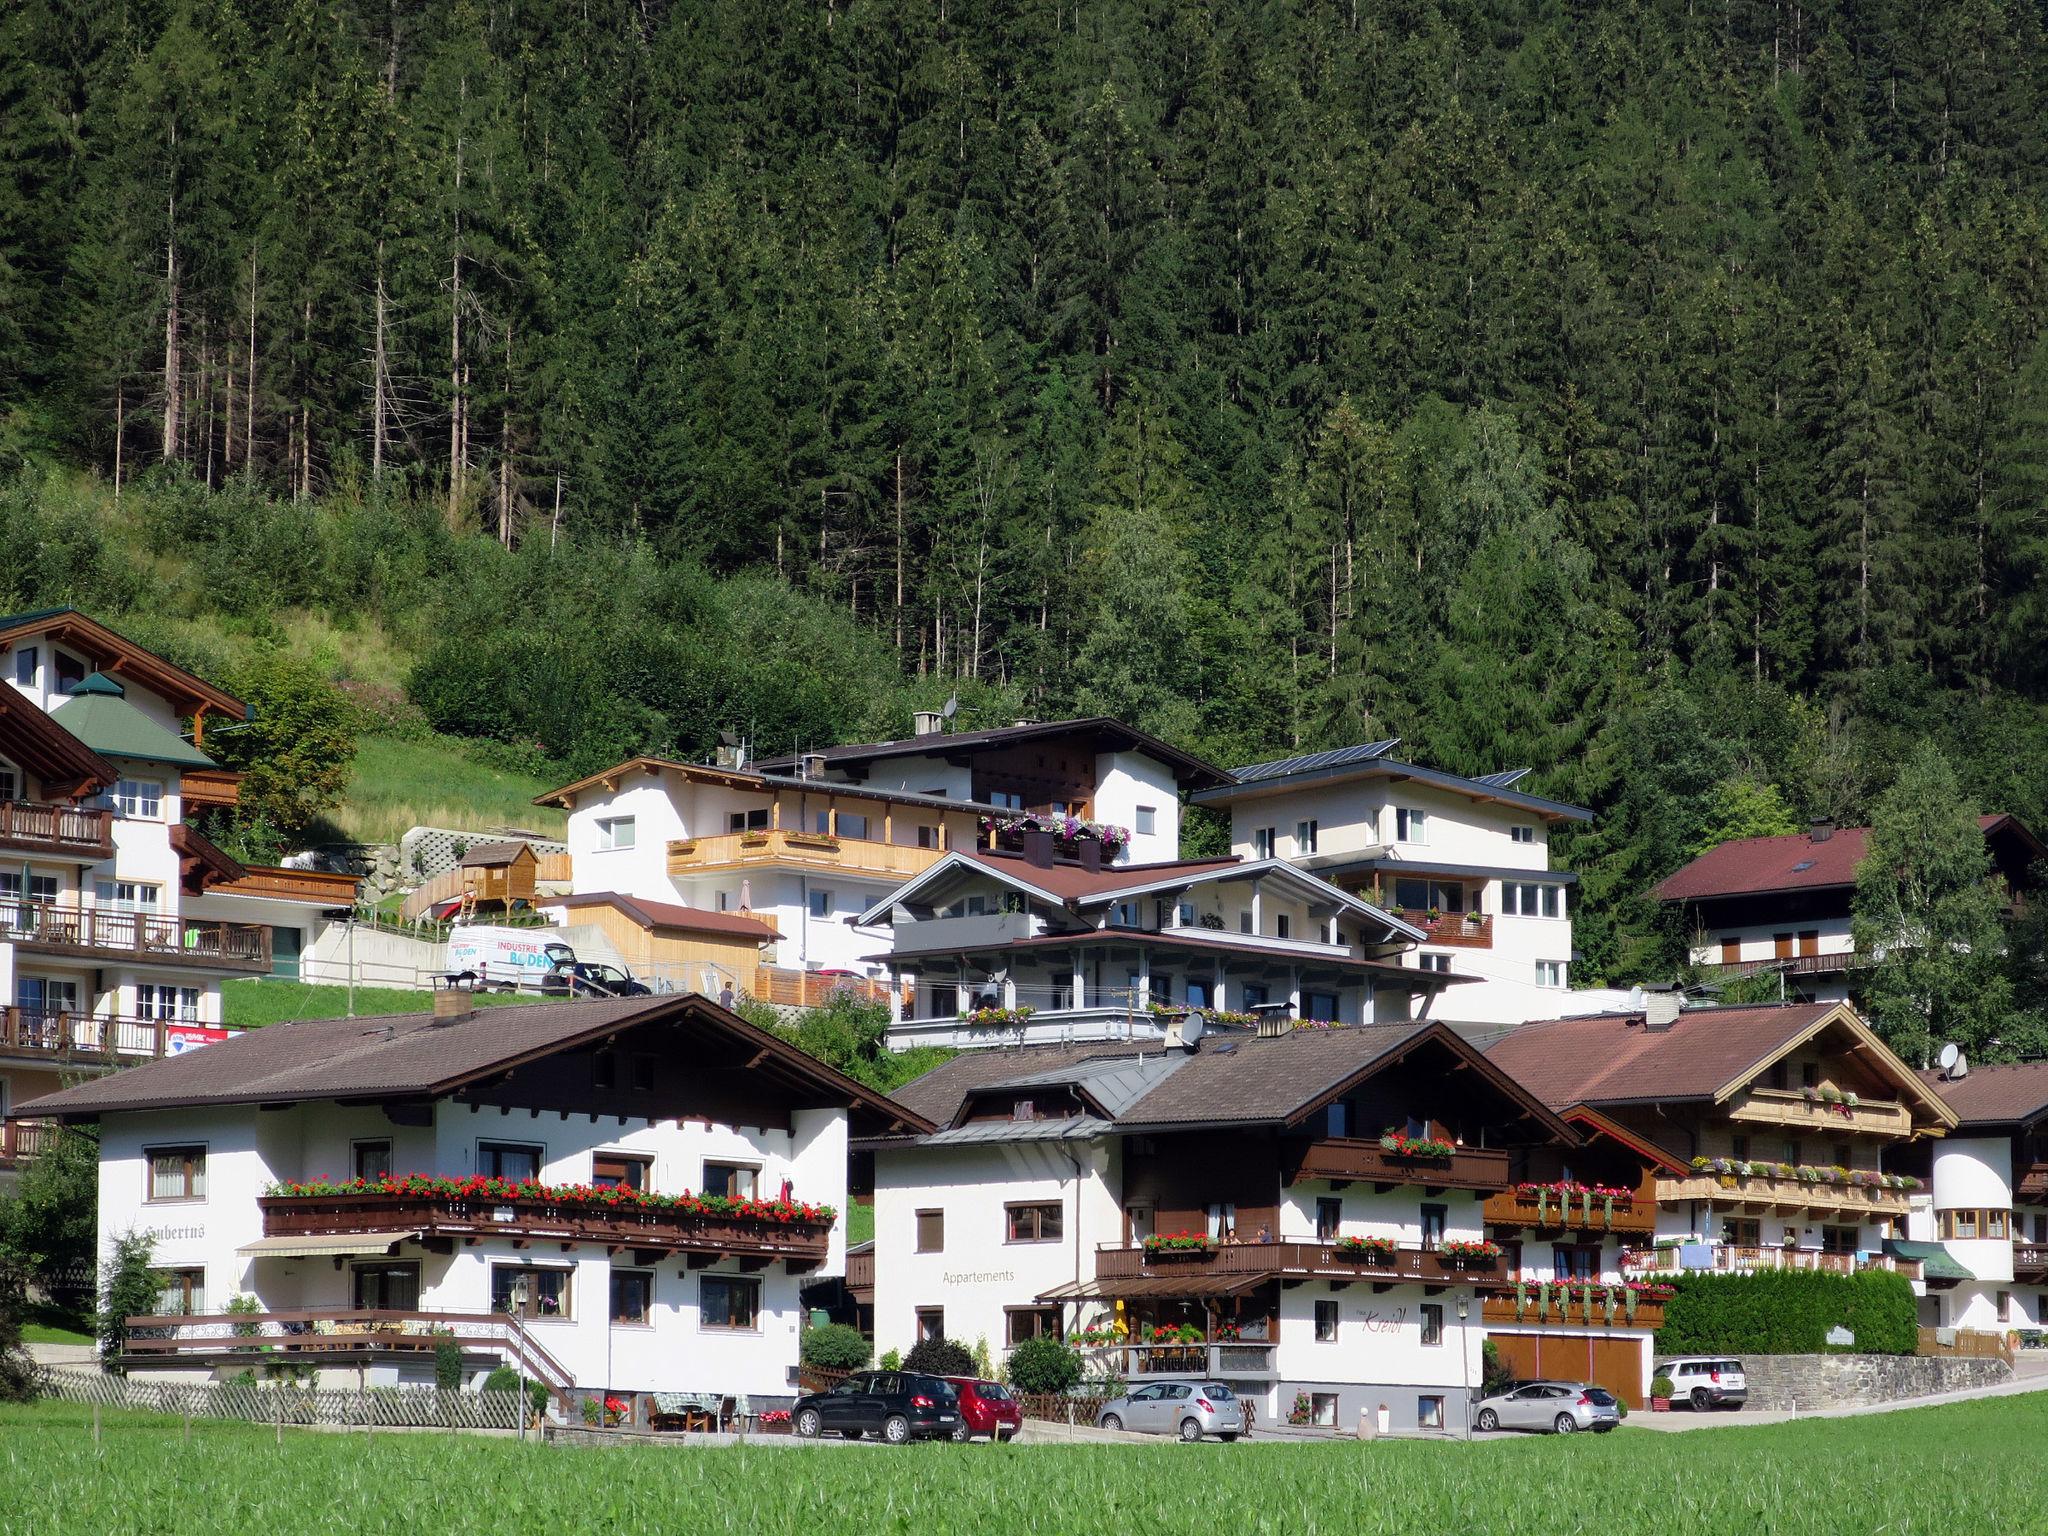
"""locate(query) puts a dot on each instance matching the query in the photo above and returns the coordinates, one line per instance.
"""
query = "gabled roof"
(1371, 761)
(1800, 861)
(35, 741)
(1190, 771)
(658, 915)
(2009, 1094)
(1110, 1084)
(1591, 1121)
(201, 861)
(113, 653)
(98, 713)
(411, 1056)
(764, 783)
(495, 855)
(1706, 1056)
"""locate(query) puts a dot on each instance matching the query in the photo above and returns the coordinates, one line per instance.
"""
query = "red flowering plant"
(615, 1410)
(1468, 1251)
(1381, 1248)
(533, 1192)
(1176, 1333)
(771, 1417)
(1401, 1144)
(1179, 1242)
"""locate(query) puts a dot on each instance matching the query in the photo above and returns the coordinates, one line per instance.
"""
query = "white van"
(1707, 1381)
(506, 959)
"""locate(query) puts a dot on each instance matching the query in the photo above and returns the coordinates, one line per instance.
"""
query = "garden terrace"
(89, 933)
(1346, 1160)
(649, 1231)
(1291, 1261)
(66, 831)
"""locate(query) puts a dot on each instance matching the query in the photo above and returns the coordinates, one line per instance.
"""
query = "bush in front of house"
(940, 1357)
(1788, 1312)
(505, 1379)
(1044, 1365)
(835, 1347)
(447, 1363)
(131, 1287)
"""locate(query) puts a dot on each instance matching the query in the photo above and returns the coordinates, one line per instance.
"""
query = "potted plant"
(1401, 1144)
(1465, 1251)
(1378, 1249)
(1164, 1244)
(1660, 1394)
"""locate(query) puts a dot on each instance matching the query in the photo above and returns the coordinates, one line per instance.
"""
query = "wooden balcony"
(1453, 930)
(2032, 1181)
(787, 987)
(1728, 1192)
(1577, 1213)
(1289, 1261)
(1552, 1306)
(2030, 1263)
(1791, 965)
(1732, 1259)
(85, 1039)
(1230, 1360)
(93, 933)
(67, 831)
(21, 1140)
(1359, 1160)
(1791, 1107)
(860, 1274)
(210, 788)
(276, 884)
(703, 1240)
(782, 848)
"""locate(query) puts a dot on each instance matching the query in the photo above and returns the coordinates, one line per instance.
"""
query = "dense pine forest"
(1650, 393)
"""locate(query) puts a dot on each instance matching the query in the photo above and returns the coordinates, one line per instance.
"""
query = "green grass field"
(1956, 1471)
(251, 1004)
(400, 782)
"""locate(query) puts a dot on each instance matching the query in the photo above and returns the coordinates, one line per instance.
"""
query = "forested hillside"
(1651, 393)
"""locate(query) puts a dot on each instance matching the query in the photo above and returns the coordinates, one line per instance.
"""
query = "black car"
(899, 1406)
(585, 978)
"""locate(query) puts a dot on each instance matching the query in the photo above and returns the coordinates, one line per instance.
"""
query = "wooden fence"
(1966, 1343)
(287, 1403)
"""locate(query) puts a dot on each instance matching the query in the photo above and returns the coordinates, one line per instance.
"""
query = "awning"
(328, 1245)
(1936, 1263)
(1154, 1285)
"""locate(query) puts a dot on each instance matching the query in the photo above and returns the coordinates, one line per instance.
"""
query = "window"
(2041, 1229)
(1845, 1155)
(525, 1292)
(643, 1073)
(1838, 1239)
(1809, 1074)
(45, 994)
(724, 903)
(821, 903)
(1433, 1225)
(1256, 996)
(604, 1071)
(1035, 1223)
(1432, 1326)
(1738, 1147)
(616, 1170)
(1023, 1323)
(1791, 1154)
(176, 1173)
(25, 666)
(1441, 964)
(729, 1301)
(1319, 1005)
(1429, 1411)
(1262, 842)
(851, 825)
(931, 1231)
(1008, 799)
(1527, 898)
(927, 837)
(1742, 1231)
(1244, 921)
(1304, 837)
(138, 799)
(1324, 1408)
(10, 784)
(632, 1298)
(1326, 1322)
(171, 1004)
(183, 1293)
(371, 1159)
(1283, 927)
(126, 895)
(1410, 826)
(1147, 821)
(615, 832)
(507, 1160)
(1329, 1216)
(2005, 1306)
(1995, 1225)
(1521, 834)
(736, 1181)
(1779, 1076)
(931, 1324)
(1576, 1261)
(70, 672)
(386, 1287)
(1423, 896)
(1221, 1220)
(1549, 973)
(1337, 1119)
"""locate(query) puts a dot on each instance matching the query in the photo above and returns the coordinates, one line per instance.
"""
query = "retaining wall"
(1807, 1382)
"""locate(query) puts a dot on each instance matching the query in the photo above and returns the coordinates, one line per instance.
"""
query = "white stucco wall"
(1124, 781)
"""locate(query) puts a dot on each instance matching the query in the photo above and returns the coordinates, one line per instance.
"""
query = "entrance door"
(387, 1287)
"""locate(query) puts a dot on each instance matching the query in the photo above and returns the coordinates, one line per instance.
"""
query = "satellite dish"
(1961, 1069)
(952, 708)
(1192, 1025)
(1950, 1055)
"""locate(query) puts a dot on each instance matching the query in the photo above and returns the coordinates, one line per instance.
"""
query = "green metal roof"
(1935, 1263)
(98, 713)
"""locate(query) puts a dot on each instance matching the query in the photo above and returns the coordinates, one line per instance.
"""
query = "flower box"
(1175, 1245)
(477, 1189)
(1400, 1144)
(1463, 1251)
(1379, 1250)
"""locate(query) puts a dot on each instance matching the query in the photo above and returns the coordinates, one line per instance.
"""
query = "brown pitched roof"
(35, 741)
(1071, 882)
(1795, 861)
(1199, 941)
(409, 1055)
(1191, 771)
(116, 654)
(667, 914)
(493, 855)
(2011, 1094)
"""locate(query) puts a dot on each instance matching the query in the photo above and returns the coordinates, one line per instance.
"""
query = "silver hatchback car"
(1555, 1407)
(1190, 1409)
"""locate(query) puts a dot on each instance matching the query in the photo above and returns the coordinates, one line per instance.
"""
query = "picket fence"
(287, 1403)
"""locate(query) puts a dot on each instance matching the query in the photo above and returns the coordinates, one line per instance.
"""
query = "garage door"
(1616, 1364)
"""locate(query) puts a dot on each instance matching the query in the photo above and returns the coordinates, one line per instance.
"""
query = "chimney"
(814, 765)
(1660, 1009)
(1820, 831)
(1272, 1024)
(453, 1001)
(927, 722)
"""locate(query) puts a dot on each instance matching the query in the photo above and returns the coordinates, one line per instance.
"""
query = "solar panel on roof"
(1308, 762)
(1504, 778)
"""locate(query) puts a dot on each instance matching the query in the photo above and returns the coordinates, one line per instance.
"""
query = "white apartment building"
(1465, 860)
(1299, 1212)
(338, 1168)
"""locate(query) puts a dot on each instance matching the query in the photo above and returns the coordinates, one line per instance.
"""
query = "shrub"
(940, 1357)
(17, 1371)
(1044, 1365)
(131, 1289)
(447, 1363)
(835, 1347)
(1660, 1386)
(505, 1379)
(892, 1361)
(48, 1229)
(1788, 1312)
(1494, 1372)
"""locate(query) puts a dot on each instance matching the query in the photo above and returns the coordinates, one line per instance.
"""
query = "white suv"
(1707, 1382)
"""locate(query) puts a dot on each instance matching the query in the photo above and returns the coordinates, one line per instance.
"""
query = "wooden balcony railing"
(24, 1139)
(860, 1273)
(2033, 1181)
(1773, 1192)
(1553, 1305)
(75, 830)
(1734, 1259)
(1580, 1212)
(786, 847)
(55, 928)
(1791, 1106)
(1233, 1361)
(1791, 965)
(1365, 1161)
(1453, 930)
(790, 988)
(1305, 1260)
(802, 1244)
(2030, 1262)
(83, 1037)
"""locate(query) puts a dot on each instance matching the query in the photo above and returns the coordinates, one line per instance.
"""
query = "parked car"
(986, 1408)
(1707, 1381)
(1190, 1409)
(588, 978)
(899, 1406)
(504, 959)
(1560, 1407)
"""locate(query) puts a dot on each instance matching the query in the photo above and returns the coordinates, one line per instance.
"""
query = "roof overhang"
(1394, 770)
(1277, 870)
(1437, 1032)
(68, 768)
(1842, 1016)
(1590, 1119)
(1189, 770)
(117, 655)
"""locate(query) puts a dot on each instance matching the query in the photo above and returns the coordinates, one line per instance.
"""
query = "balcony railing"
(1554, 1305)
(860, 1273)
(802, 1244)
(21, 1140)
(2030, 1262)
(1326, 1261)
(1736, 1259)
(1453, 930)
(1233, 1361)
(787, 847)
(1362, 1160)
(83, 1037)
(55, 928)
(1579, 1212)
(1782, 1194)
(1791, 965)
(1792, 1106)
(78, 831)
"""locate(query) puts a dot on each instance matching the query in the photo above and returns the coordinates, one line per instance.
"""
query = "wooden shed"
(688, 946)
(498, 874)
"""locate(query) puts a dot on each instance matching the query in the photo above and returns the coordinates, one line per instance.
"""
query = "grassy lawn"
(250, 1004)
(44, 1324)
(1931, 1472)
(400, 783)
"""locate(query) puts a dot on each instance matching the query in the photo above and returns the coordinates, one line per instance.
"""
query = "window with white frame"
(1522, 834)
(735, 1181)
(1410, 825)
(1531, 898)
(1145, 821)
(1440, 964)
(1550, 973)
(35, 886)
(1305, 837)
(127, 895)
(1262, 842)
(530, 1291)
(755, 820)
(174, 1005)
(616, 832)
(137, 799)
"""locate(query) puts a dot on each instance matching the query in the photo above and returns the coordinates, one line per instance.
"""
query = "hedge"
(1789, 1312)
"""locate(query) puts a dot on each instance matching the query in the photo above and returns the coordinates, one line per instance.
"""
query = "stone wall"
(1807, 1382)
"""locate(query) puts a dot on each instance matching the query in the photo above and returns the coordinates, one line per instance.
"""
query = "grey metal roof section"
(991, 1132)
(1308, 762)
(1370, 760)
(1114, 1082)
